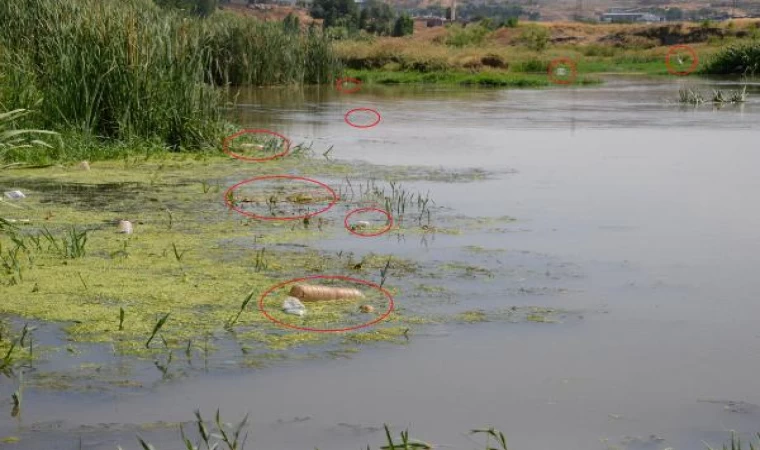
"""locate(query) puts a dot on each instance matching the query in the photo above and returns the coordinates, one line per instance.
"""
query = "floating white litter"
(562, 71)
(125, 227)
(15, 195)
(292, 305)
(84, 165)
(360, 224)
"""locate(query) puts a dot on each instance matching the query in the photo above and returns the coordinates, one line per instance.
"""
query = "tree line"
(373, 17)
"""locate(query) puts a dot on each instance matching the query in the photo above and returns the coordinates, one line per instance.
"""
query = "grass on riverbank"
(614, 49)
(127, 71)
(486, 79)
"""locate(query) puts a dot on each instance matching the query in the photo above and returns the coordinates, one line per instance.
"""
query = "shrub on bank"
(741, 59)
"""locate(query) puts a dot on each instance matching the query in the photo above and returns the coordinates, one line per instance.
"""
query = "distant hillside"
(560, 10)
(541, 10)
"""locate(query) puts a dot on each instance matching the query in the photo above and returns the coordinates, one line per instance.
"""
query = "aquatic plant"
(17, 396)
(735, 443)
(74, 244)
(11, 264)
(11, 360)
(261, 262)
(178, 254)
(737, 96)
(405, 444)
(695, 97)
(6, 225)
(394, 202)
(384, 272)
(494, 434)
(690, 96)
(231, 322)
(156, 328)
(12, 138)
(226, 434)
(6, 364)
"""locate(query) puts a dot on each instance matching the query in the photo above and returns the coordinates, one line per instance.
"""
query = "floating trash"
(125, 227)
(562, 71)
(360, 225)
(312, 293)
(84, 165)
(367, 308)
(292, 305)
(15, 195)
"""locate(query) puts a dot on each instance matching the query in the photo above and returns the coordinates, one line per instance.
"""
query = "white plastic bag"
(15, 195)
(360, 225)
(292, 305)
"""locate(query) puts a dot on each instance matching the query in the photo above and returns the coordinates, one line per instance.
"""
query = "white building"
(617, 17)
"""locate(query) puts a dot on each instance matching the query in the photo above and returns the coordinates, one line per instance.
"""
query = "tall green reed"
(122, 70)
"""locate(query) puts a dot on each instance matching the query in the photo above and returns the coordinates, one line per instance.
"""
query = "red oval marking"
(690, 69)
(329, 277)
(271, 177)
(565, 61)
(373, 111)
(355, 211)
(341, 81)
(227, 140)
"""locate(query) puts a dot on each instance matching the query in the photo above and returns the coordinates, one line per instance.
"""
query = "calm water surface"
(654, 206)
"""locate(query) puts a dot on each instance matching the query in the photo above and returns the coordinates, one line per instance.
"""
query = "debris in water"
(125, 227)
(310, 293)
(15, 195)
(360, 225)
(367, 308)
(84, 165)
(292, 305)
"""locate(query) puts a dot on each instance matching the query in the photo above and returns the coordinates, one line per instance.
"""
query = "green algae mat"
(190, 277)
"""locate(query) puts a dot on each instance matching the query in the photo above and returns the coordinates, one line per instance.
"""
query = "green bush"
(533, 66)
(404, 26)
(535, 38)
(459, 36)
(741, 59)
(291, 24)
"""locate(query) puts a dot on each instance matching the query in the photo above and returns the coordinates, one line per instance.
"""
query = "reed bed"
(695, 97)
(127, 69)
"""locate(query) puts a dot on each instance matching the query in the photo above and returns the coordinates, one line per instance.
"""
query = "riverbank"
(530, 49)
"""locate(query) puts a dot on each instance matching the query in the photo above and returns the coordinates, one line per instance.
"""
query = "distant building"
(431, 21)
(626, 17)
